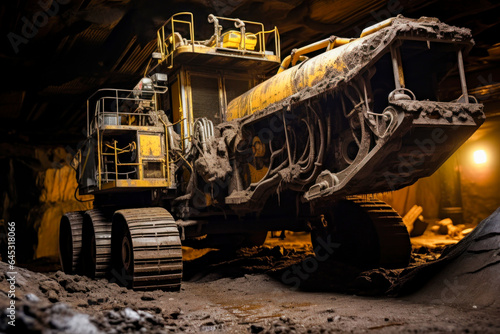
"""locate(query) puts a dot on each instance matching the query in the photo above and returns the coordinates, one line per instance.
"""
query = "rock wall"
(37, 186)
(466, 275)
(58, 187)
(425, 192)
(479, 184)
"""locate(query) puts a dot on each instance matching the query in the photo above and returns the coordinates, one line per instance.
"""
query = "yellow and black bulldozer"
(210, 149)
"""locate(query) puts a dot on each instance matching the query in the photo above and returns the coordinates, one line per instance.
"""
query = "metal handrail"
(161, 38)
(94, 126)
(263, 32)
(117, 164)
(242, 25)
(164, 41)
(276, 41)
(100, 108)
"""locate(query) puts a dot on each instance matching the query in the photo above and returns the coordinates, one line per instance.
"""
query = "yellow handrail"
(276, 40)
(296, 54)
(166, 39)
(161, 38)
(242, 27)
(167, 172)
(330, 43)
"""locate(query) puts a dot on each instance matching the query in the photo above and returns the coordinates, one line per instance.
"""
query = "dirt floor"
(277, 288)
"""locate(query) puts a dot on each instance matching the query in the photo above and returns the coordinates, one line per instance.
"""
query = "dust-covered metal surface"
(332, 68)
(360, 118)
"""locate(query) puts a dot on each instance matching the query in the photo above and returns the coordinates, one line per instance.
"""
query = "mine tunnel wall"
(58, 187)
(37, 187)
(479, 186)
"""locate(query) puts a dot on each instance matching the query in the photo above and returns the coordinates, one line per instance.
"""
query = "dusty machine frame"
(232, 156)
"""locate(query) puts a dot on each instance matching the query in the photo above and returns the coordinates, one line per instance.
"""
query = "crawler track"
(70, 242)
(97, 244)
(147, 249)
(368, 233)
(394, 240)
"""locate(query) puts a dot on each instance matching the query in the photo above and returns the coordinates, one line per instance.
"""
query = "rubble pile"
(128, 320)
(464, 275)
(467, 273)
(35, 317)
(446, 227)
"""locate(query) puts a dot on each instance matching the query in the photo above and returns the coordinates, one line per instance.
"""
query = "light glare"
(480, 157)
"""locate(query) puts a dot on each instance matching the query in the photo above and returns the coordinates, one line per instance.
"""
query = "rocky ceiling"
(75, 47)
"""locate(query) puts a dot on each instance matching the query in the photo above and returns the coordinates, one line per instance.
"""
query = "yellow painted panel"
(232, 39)
(257, 174)
(291, 81)
(175, 90)
(130, 183)
(150, 145)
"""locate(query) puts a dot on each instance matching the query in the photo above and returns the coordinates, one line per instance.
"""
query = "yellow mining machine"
(210, 149)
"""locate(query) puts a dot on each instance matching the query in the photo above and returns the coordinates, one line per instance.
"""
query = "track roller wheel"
(368, 233)
(96, 244)
(146, 249)
(70, 242)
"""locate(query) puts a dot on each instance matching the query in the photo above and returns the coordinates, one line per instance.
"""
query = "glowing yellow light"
(480, 157)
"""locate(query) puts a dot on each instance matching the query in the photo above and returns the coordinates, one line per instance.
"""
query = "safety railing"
(169, 39)
(110, 106)
(114, 109)
(166, 42)
(242, 26)
(116, 163)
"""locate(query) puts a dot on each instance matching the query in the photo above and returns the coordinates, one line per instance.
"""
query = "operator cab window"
(235, 87)
(210, 93)
(206, 97)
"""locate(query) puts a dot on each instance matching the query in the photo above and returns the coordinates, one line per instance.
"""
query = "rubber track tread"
(394, 240)
(157, 248)
(76, 224)
(102, 233)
